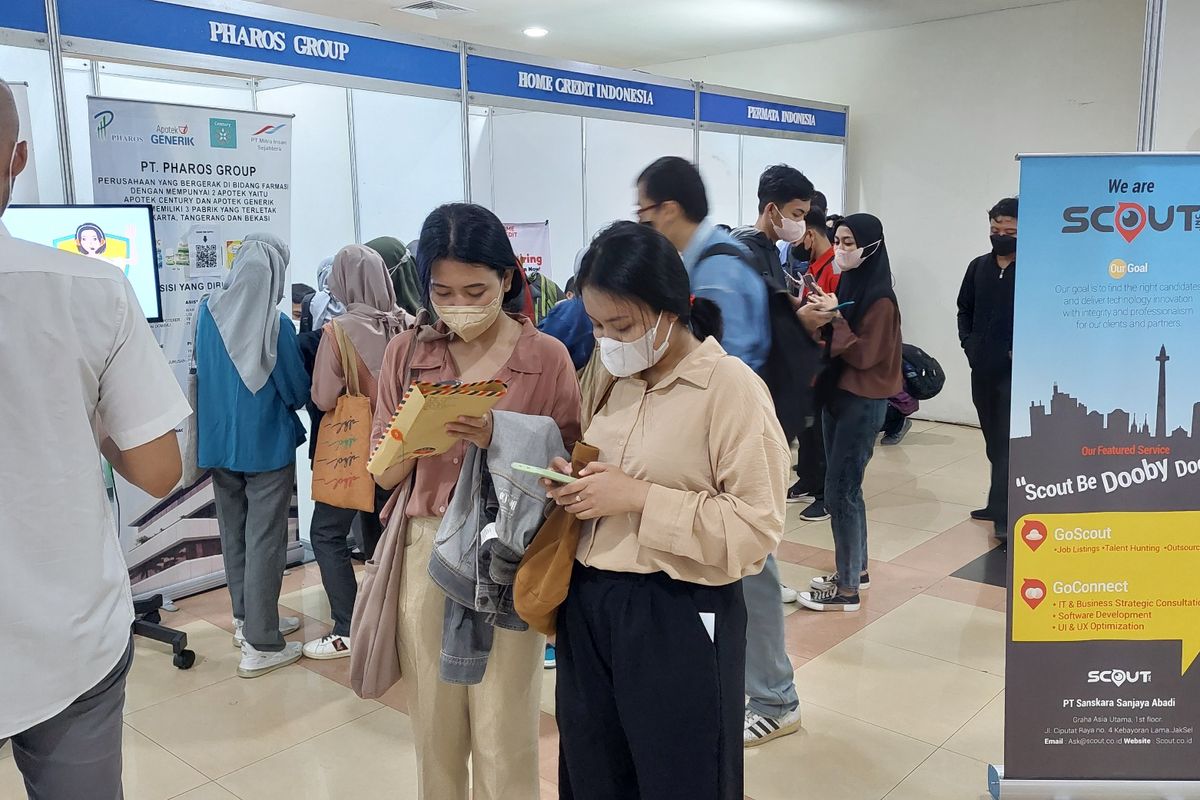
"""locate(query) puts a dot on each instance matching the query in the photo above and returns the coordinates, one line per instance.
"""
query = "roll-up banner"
(213, 176)
(1104, 613)
(531, 243)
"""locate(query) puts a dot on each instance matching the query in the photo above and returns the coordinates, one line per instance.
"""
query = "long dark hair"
(634, 261)
(471, 234)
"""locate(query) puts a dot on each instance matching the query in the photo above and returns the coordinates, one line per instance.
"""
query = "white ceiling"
(641, 32)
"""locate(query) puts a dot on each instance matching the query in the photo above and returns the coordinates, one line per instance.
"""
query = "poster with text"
(531, 242)
(213, 176)
(1104, 612)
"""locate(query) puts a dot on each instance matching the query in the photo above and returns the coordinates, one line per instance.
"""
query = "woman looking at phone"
(688, 498)
(468, 271)
(864, 349)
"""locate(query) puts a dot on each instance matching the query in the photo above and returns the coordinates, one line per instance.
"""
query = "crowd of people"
(662, 354)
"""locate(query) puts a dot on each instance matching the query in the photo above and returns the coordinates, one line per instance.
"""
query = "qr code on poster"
(208, 257)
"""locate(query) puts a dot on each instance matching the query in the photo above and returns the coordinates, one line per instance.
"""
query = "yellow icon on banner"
(1117, 269)
(1108, 576)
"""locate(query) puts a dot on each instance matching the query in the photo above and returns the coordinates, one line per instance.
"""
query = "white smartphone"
(548, 474)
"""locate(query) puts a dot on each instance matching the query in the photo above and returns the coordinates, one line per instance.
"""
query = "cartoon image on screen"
(118, 236)
(90, 240)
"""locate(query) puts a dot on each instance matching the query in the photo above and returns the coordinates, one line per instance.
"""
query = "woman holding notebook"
(468, 271)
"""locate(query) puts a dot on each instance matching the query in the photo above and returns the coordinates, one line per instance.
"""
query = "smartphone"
(548, 474)
(846, 304)
(810, 282)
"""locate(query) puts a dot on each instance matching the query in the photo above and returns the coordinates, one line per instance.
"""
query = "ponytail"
(705, 319)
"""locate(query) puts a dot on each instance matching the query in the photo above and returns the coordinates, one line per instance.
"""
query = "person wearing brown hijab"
(359, 280)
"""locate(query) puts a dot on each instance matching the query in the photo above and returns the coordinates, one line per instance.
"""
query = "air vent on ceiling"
(434, 9)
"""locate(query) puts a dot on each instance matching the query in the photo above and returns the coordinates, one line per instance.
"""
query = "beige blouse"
(707, 438)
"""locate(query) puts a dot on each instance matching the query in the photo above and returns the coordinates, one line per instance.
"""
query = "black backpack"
(793, 360)
(923, 375)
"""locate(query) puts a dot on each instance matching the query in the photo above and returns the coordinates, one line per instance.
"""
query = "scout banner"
(212, 176)
(1104, 608)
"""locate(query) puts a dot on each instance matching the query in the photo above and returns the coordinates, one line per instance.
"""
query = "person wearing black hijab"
(863, 346)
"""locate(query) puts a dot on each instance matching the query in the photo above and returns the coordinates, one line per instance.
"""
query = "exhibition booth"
(231, 117)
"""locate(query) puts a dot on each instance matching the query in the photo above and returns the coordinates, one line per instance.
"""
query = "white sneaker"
(286, 625)
(760, 729)
(787, 594)
(328, 648)
(256, 663)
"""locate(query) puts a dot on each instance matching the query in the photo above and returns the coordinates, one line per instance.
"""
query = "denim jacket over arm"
(493, 516)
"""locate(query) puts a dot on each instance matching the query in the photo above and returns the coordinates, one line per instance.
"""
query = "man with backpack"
(784, 198)
(671, 198)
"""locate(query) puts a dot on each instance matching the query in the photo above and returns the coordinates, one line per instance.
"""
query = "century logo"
(1118, 677)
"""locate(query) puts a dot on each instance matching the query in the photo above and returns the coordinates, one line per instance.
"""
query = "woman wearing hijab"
(864, 347)
(402, 270)
(359, 280)
(250, 383)
(323, 306)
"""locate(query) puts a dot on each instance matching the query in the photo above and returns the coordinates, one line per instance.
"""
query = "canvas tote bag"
(374, 655)
(340, 476)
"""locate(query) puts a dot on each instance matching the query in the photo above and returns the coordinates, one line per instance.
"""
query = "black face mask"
(1003, 245)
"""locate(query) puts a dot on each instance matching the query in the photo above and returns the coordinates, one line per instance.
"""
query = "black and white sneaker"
(760, 729)
(829, 600)
(825, 582)
(798, 494)
(816, 512)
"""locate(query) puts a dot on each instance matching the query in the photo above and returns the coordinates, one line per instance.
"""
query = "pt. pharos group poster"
(213, 176)
(1102, 681)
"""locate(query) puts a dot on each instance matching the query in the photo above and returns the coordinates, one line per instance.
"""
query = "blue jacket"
(737, 290)
(568, 322)
(239, 431)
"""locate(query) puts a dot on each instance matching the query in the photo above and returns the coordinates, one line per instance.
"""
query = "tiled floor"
(902, 701)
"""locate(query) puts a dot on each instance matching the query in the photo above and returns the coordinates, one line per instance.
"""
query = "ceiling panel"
(638, 32)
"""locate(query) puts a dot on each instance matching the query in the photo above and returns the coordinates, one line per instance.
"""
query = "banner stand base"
(1002, 789)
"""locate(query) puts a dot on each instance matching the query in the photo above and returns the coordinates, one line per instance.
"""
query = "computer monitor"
(122, 236)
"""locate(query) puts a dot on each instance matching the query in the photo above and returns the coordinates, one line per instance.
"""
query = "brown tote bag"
(374, 651)
(545, 572)
(340, 476)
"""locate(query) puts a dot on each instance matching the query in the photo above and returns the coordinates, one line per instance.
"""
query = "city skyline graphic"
(1069, 416)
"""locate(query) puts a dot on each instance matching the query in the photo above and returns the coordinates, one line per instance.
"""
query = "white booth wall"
(938, 111)
(31, 66)
(1177, 119)
(731, 164)
(580, 172)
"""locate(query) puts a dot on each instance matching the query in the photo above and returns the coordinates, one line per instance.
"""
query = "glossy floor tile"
(901, 701)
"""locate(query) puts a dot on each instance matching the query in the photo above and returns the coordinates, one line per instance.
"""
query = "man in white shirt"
(82, 375)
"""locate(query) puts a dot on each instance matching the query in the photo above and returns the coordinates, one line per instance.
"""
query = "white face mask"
(846, 260)
(788, 229)
(623, 359)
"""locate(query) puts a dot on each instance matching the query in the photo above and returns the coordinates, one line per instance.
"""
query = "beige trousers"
(492, 725)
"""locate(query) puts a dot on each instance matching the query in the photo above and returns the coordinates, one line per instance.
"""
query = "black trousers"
(992, 394)
(650, 707)
(810, 461)
(327, 535)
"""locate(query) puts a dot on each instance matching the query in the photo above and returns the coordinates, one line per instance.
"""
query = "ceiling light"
(536, 32)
